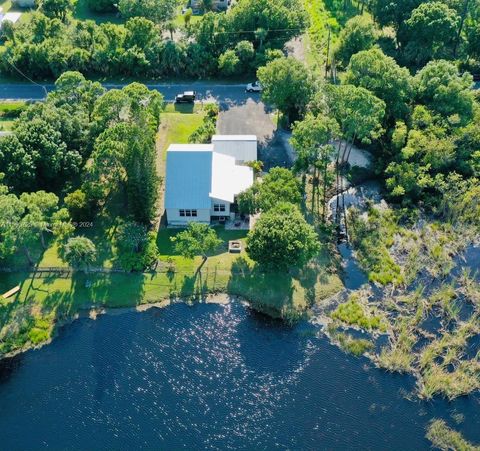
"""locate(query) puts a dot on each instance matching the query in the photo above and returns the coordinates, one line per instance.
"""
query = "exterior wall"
(242, 151)
(25, 3)
(216, 4)
(174, 218)
(220, 213)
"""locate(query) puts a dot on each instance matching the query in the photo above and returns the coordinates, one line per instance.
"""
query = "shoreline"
(94, 312)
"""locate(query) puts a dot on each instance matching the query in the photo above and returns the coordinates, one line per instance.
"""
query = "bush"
(204, 133)
(137, 248)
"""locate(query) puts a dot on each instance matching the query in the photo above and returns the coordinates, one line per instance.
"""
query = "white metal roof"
(229, 179)
(234, 138)
(190, 148)
(196, 174)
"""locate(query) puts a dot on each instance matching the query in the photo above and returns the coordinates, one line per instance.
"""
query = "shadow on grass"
(269, 292)
(184, 108)
(194, 288)
(166, 247)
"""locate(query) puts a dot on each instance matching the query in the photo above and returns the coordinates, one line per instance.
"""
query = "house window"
(188, 213)
(219, 207)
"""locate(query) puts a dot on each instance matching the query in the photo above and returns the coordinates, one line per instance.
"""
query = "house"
(217, 5)
(203, 180)
(11, 17)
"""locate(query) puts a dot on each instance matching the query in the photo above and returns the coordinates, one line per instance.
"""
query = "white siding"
(220, 213)
(174, 218)
(241, 150)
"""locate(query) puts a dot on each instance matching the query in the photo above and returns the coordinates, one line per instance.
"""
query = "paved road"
(223, 93)
(241, 112)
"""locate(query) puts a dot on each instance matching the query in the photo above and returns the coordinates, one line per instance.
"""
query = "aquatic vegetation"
(372, 236)
(445, 438)
(354, 313)
(351, 345)
(443, 369)
(399, 356)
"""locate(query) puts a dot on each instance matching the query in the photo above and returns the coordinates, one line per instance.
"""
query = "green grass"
(354, 313)
(445, 438)
(178, 123)
(47, 299)
(7, 6)
(83, 12)
(180, 22)
(349, 344)
(372, 238)
(9, 111)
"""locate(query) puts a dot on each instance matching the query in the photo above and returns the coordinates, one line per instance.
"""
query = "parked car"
(254, 87)
(186, 97)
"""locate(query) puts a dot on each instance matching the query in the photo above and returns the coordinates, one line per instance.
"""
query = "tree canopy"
(287, 85)
(282, 238)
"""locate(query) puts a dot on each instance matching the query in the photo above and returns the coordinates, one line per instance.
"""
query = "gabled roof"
(189, 177)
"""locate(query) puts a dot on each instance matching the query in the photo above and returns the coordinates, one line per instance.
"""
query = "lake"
(209, 377)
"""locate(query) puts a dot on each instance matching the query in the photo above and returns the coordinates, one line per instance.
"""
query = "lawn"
(7, 6)
(83, 12)
(47, 298)
(8, 112)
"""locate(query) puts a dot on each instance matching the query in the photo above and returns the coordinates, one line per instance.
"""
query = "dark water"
(208, 377)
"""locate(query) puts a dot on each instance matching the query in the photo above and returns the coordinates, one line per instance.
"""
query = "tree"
(228, 63)
(287, 85)
(381, 75)
(197, 239)
(72, 89)
(54, 162)
(171, 27)
(16, 164)
(429, 31)
(77, 204)
(137, 246)
(187, 17)
(393, 12)
(156, 10)
(279, 185)
(80, 252)
(142, 33)
(360, 33)
(282, 238)
(359, 114)
(40, 207)
(246, 53)
(11, 212)
(445, 92)
(61, 225)
(102, 6)
(57, 8)
(312, 140)
(283, 19)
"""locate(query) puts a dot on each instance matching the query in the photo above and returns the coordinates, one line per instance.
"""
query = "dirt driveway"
(252, 117)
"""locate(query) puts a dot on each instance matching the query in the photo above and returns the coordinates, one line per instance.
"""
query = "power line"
(26, 77)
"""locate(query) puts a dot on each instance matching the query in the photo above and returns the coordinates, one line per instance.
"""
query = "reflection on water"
(209, 377)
